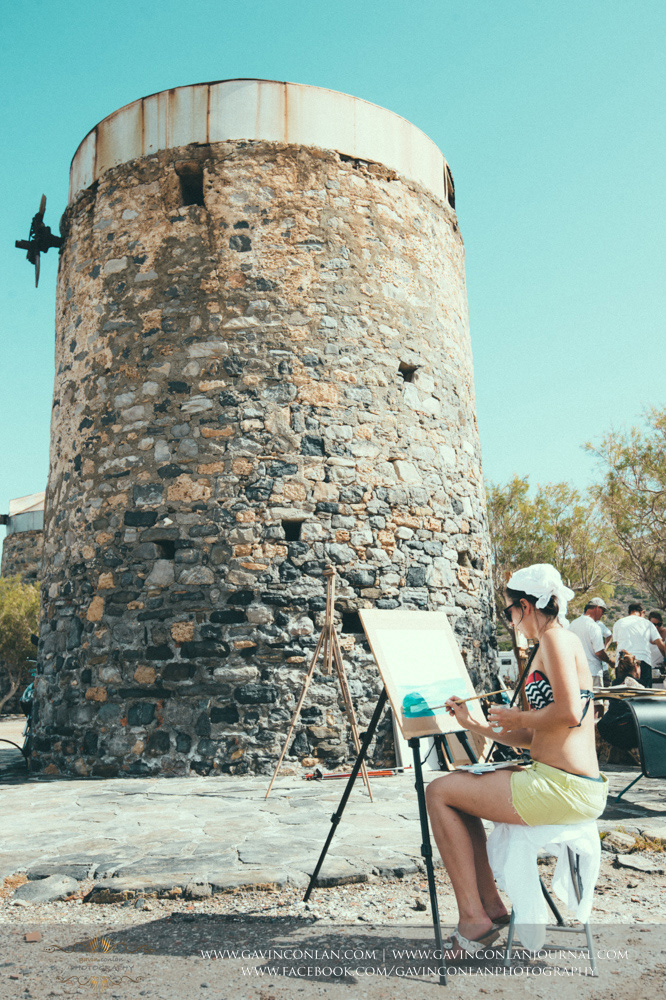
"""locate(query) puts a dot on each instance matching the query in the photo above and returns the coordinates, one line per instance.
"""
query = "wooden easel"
(329, 641)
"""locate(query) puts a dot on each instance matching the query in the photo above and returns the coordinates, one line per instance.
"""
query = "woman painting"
(562, 784)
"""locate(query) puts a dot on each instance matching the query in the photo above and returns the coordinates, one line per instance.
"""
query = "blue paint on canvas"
(430, 698)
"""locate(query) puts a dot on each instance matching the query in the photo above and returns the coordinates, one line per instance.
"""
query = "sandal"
(471, 946)
(502, 921)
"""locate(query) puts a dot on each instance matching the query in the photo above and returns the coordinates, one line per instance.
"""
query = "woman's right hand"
(456, 707)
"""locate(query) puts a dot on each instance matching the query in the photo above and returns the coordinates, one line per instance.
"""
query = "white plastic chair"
(513, 853)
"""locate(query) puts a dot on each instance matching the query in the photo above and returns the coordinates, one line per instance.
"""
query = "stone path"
(218, 831)
(195, 836)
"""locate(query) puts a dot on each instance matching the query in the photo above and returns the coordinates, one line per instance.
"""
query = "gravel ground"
(356, 939)
(346, 939)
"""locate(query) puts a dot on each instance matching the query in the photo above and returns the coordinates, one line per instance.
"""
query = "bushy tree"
(557, 525)
(19, 614)
(632, 497)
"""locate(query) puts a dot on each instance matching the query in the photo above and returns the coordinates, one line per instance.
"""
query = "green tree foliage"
(632, 496)
(19, 614)
(557, 525)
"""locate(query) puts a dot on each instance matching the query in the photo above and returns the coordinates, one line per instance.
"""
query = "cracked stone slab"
(77, 870)
(84, 849)
(198, 890)
(618, 841)
(107, 865)
(308, 826)
(337, 871)
(309, 804)
(158, 865)
(640, 863)
(390, 867)
(47, 890)
(117, 890)
(278, 849)
(10, 864)
(257, 880)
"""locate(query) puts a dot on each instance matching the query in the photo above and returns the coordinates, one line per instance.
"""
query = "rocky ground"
(359, 938)
(159, 896)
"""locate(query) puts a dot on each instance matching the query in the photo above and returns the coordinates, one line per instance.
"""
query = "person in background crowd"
(586, 627)
(606, 635)
(617, 726)
(657, 658)
(635, 634)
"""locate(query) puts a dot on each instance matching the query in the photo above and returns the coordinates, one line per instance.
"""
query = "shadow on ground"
(296, 948)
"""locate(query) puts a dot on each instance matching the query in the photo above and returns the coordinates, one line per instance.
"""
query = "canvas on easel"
(421, 667)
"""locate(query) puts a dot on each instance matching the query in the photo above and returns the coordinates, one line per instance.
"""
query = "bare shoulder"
(559, 641)
(563, 655)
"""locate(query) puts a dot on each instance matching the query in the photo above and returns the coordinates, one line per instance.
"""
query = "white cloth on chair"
(513, 851)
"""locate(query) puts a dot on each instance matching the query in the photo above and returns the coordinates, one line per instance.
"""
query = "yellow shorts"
(542, 794)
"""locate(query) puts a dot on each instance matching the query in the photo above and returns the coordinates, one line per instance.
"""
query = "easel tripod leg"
(426, 853)
(349, 707)
(337, 816)
(297, 710)
(466, 745)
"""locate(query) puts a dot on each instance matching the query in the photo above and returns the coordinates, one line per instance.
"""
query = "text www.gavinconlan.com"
(394, 962)
(384, 954)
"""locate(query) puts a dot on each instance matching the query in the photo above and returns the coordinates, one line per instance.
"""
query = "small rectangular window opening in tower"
(166, 549)
(190, 175)
(407, 371)
(351, 622)
(292, 530)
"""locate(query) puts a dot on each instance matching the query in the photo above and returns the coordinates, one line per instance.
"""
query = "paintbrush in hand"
(474, 697)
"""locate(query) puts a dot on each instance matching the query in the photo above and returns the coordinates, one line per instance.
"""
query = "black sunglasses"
(507, 612)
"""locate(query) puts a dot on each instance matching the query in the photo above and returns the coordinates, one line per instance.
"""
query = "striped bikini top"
(539, 693)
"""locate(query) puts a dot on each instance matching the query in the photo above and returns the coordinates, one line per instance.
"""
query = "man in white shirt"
(606, 635)
(636, 635)
(586, 627)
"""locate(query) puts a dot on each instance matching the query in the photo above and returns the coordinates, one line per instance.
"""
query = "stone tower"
(263, 365)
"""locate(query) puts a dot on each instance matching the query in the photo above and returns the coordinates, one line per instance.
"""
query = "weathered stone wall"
(22, 555)
(246, 390)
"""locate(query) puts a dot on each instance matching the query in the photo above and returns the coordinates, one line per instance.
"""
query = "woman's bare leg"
(485, 880)
(457, 850)
(454, 800)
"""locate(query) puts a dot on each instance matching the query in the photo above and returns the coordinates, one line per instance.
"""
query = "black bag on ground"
(618, 726)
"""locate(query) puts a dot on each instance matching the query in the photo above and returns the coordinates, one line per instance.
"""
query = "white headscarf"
(541, 580)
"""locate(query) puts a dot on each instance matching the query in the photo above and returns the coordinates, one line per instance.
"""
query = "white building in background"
(22, 546)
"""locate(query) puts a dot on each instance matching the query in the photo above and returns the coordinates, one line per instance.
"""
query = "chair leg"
(509, 939)
(576, 881)
(590, 948)
(631, 783)
(574, 870)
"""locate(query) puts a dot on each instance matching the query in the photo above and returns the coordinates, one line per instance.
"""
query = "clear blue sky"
(550, 114)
